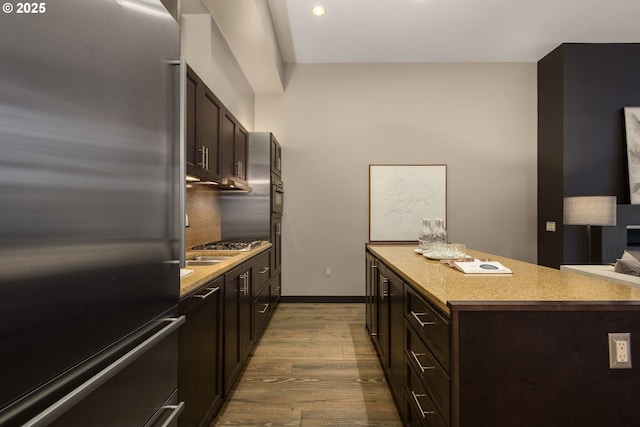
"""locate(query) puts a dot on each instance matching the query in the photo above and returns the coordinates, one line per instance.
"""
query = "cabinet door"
(204, 112)
(276, 242)
(276, 157)
(227, 167)
(237, 322)
(232, 351)
(192, 114)
(245, 314)
(371, 284)
(241, 151)
(396, 361)
(210, 110)
(234, 148)
(199, 363)
(382, 306)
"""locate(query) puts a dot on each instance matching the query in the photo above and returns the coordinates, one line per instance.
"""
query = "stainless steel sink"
(207, 259)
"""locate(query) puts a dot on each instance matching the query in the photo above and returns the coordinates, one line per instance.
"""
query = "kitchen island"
(528, 349)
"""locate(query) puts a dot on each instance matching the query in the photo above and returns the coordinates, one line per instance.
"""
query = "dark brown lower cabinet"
(396, 363)
(225, 318)
(237, 323)
(200, 358)
(386, 310)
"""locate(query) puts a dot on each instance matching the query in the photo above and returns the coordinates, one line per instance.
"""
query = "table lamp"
(590, 210)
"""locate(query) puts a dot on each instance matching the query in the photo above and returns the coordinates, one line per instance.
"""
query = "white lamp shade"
(590, 210)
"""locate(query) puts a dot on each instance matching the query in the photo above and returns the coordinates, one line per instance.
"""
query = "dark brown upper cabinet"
(234, 151)
(203, 133)
(276, 157)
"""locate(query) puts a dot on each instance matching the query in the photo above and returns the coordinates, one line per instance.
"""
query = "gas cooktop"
(230, 245)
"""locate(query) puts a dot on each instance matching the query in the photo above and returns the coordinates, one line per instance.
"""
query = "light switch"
(550, 226)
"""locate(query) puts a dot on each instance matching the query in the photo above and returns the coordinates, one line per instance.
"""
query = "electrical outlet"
(550, 226)
(327, 271)
(620, 350)
(622, 354)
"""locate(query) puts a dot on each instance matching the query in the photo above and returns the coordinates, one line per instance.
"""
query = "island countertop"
(528, 283)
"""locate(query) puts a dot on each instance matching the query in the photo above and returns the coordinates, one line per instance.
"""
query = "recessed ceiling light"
(318, 10)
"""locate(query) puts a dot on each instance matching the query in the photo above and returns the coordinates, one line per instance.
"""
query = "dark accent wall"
(582, 90)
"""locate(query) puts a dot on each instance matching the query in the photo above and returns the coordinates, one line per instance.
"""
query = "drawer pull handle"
(423, 324)
(422, 368)
(383, 292)
(264, 270)
(175, 411)
(264, 310)
(211, 292)
(245, 283)
(422, 412)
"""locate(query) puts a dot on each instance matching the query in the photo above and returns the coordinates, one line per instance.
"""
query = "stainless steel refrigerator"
(90, 221)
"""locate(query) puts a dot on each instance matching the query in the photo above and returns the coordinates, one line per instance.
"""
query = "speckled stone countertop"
(529, 282)
(203, 274)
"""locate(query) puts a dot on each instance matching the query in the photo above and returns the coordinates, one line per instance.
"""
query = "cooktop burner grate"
(229, 245)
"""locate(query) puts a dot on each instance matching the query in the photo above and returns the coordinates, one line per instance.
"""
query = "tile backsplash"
(203, 208)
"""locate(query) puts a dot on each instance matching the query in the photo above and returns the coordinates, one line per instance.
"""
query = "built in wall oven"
(277, 195)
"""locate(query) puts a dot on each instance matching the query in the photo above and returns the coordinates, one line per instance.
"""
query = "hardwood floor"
(314, 366)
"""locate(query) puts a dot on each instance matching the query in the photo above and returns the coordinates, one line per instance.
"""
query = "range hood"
(224, 184)
(232, 184)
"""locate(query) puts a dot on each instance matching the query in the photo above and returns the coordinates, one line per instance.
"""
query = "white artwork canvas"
(632, 127)
(401, 195)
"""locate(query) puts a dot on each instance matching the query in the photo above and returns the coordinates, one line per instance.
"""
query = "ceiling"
(368, 31)
(266, 36)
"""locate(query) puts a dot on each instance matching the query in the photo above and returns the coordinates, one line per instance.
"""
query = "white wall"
(335, 119)
(207, 52)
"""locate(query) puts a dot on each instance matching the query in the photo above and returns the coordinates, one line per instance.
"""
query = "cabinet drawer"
(420, 405)
(261, 310)
(431, 326)
(429, 370)
(261, 271)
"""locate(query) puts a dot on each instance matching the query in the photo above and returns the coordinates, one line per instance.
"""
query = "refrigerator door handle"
(79, 393)
(182, 159)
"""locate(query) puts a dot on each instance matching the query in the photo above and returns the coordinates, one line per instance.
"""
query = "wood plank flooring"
(314, 366)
